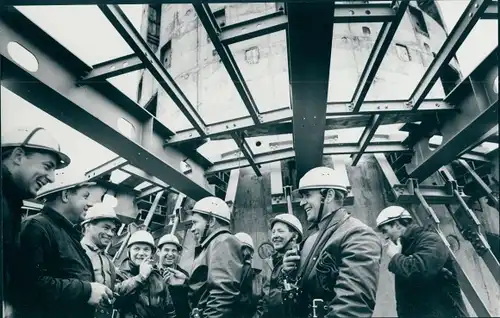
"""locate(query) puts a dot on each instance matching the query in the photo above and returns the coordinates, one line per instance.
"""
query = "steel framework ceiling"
(79, 95)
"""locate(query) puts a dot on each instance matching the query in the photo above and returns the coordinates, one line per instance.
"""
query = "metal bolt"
(386, 106)
(437, 105)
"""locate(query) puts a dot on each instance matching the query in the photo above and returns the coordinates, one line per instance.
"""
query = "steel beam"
(94, 111)
(232, 188)
(129, 33)
(213, 30)
(87, 2)
(144, 176)
(491, 134)
(150, 191)
(288, 152)
(105, 168)
(484, 188)
(386, 107)
(472, 13)
(377, 54)
(366, 137)
(277, 21)
(119, 66)
(309, 72)
(152, 209)
(247, 152)
(491, 13)
(478, 102)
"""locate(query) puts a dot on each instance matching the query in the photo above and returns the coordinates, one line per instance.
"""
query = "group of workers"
(55, 264)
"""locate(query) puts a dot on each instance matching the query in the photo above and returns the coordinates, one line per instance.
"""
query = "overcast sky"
(97, 41)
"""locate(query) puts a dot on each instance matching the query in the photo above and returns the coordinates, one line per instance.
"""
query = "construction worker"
(57, 273)
(286, 233)
(253, 281)
(30, 157)
(99, 227)
(169, 249)
(426, 283)
(337, 268)
(217, 270)
(141, 288)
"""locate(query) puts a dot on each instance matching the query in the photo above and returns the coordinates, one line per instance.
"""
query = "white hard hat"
(141, 236)
(213, 206)
(64, 180)
(101, 211)
(245, 239)
(392, 213)
(290, 220)
(324, 178)
(35, 138)
(169, 239)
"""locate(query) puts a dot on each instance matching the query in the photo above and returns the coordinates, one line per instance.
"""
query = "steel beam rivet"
(378, 107)
(368, 12)
(495, 85)
(470, 15)
(476, 6)
(386, 107)
(351, 12)
(437, 105)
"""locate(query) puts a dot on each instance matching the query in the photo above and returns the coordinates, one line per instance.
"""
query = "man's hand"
(145, 269)
(392, 249)
(291, 260)
(100, 295)
(176, 277)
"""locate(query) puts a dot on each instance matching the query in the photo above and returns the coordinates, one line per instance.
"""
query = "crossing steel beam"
(477, 100)
(277, 21)
(398, 108)
(213, 30)
(115, 67)
(309, 73)
(97, 111)
(286, 152)
(382, 44)
(491, 12)
(472, 13)
(151, 62)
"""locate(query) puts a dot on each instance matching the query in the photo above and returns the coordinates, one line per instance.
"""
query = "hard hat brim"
(191, 211)
(64, 159)
(100, 218)
(178, 245)
(392, 220)
(275, 220)
(319, 187)
(41, 195)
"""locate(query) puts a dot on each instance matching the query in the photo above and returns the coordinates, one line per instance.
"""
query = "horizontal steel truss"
(94, 109)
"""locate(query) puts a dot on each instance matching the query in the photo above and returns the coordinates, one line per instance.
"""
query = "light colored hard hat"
(290, 220)
(390, 214)
(64, 180)
(141, 236)
(245, 239)
(35, 138)
(169, 239)
(213, 206)
(324, 178)
(101, 211)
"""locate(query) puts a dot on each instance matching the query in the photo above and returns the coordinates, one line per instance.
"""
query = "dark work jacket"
(56, 269)
(215, 281)
(12, 202)
(422, 289)
(273, 301)
(252, 292)
(148, 299)
(180, 296)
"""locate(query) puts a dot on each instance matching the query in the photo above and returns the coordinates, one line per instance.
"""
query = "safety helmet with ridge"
(390, 214)
(213, 206)
(141, 236)
(290, 220)
(245, 239)
(324, 178)
(64, 180)
(37, 138)
(101, 211)
(169, 239)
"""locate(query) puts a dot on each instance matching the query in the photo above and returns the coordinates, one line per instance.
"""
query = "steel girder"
(286, 152)
(128, 32)
(309, 73)
(122, 65)
(95, 110)
(333, 111)
(477, 100)
(472, 13)
(382, 44)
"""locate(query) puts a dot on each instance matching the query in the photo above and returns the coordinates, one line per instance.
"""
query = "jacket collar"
(91, 245)
(408, 238)
(212, 236)
(12, 192)
(61, 221)
(330, 219)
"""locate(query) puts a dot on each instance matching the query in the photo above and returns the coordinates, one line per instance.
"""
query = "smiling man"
(30, 157)
(214, 285)
(58, 278)
(337, 268)
(100, 226)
